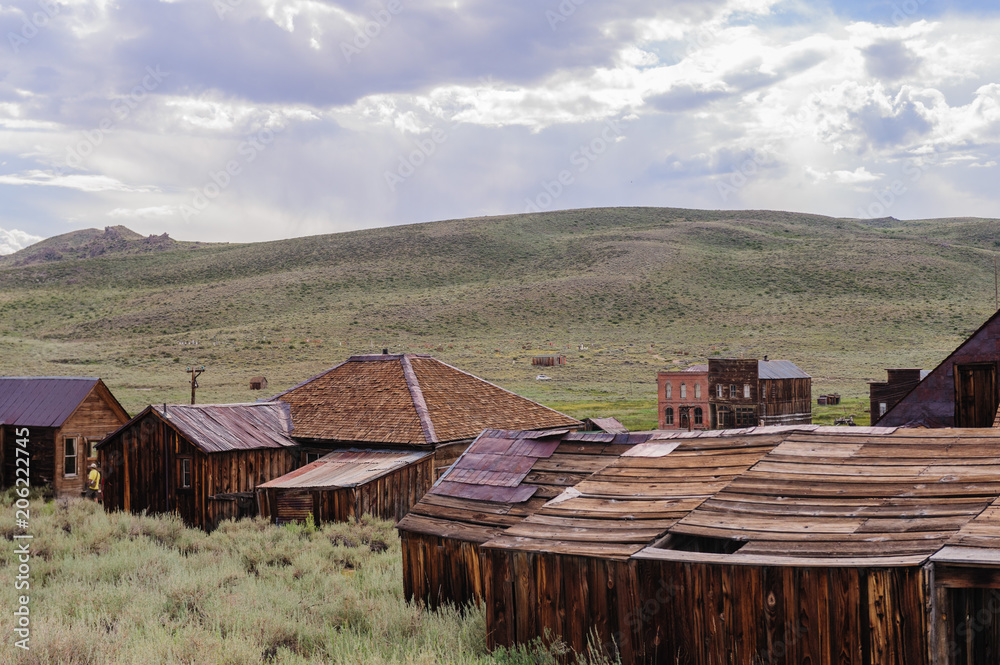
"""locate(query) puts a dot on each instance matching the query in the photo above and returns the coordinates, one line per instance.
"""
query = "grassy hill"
(622, 292)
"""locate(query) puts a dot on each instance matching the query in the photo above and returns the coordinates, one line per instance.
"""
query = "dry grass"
(143, 589)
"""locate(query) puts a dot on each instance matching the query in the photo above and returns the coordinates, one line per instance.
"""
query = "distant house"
(734, 392)
(883, 395)
(347, 484)
(748, 392)
(65, 417)
(548, 361)
(258, 383)
(962, 391)
(202, 462)
(683, 398)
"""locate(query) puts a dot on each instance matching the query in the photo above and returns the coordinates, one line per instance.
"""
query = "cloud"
(13, 240)
(81, 182)
(891, 60)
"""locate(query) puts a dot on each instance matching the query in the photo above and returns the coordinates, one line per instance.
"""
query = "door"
(976, 395)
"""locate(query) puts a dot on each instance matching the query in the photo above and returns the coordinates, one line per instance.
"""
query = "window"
(69, 456)
(684, 391)
(732, 390)
(746, 390)
(718, 390)
(668, 390)
(184, 477)
(668, 416)
(745, 416)
(92, 448)
(699, 416)
(312, 457)
(724, 418)
(697, 391)
(881, 409)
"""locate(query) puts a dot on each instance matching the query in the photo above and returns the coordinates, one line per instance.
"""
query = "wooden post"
(195, 373)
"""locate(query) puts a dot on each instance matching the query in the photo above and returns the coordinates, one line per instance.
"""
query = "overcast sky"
(236, 120)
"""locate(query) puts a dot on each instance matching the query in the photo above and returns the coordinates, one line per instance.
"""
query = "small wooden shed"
(202, 462)
(258, 383)
(62, 418)
(347, 484)
(548, 361)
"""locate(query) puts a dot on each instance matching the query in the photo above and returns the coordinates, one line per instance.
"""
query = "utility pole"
(195, 373)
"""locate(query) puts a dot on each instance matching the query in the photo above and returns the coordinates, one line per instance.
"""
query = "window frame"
(668, 391)
(184, 468)
(684, 391)
(75, 438)
(699, 416)
(668, 416)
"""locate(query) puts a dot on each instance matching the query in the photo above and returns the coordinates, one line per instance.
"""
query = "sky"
(251, 120)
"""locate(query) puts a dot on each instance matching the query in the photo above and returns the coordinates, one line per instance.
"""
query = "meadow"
(137, 589)
(620, 292)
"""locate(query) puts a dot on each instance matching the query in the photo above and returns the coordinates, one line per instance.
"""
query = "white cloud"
(13, 240)
(83, 183)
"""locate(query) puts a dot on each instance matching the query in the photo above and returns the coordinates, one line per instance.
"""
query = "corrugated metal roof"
(697, 368)
(218, 428)
(610, 425)
(346, 468)
(43, 401)
(779, 369)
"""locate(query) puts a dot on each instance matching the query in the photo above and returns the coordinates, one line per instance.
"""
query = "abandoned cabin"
(258, 383)
(734, 392)
(382, 408)
(779, 544)
(962, 391)
(65, 418)
(202, 462)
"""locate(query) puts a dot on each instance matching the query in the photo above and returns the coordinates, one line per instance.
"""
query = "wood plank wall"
(141, 468)
(441, 569)
(93, 419)
(389, 497)
(702, 614)
(786, 401)
(42, 448)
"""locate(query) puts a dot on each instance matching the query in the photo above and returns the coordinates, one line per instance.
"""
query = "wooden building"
(548, 361)
(202, 462)
(963, 391)
(750, 392)
(347, 484)
(883, 395)
(779, 545)
(682, 398)
(258, 383)
(65, 417)
(407, 401)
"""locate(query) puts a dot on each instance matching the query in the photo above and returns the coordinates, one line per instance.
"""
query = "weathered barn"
(779, 545)
(258, 383)
(407, 401)
(963, 391)
(202, 462)
(65, 417)
(347, 484)
(683, 398)
(548, 361)
(746, 393)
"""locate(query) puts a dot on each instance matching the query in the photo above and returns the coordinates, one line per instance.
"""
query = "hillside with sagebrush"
(622, 292)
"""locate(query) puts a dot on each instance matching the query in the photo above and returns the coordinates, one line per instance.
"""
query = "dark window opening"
(668, 416)
(699, 416)
(746, 416)
(683, 542)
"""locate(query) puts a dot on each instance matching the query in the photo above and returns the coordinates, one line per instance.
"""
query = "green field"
(621, 292)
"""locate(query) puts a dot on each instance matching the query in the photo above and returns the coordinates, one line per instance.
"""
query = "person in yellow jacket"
(93, 489)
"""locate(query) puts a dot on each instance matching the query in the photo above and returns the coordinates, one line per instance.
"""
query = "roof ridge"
(417, 395)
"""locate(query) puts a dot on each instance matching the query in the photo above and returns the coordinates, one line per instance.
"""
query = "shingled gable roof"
(215, 428)
(45, 401)
(408, 399)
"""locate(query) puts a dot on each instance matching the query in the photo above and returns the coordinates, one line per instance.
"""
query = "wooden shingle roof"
(408, 399)
(796, 495)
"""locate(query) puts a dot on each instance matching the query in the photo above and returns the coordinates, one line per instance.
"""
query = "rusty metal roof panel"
(779, 369)
(218, 428)
(347, 468)
(44, 401)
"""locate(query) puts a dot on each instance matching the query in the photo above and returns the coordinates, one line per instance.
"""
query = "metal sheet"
(779, 369)
(223, 427)
(346, 468)
(41, 401)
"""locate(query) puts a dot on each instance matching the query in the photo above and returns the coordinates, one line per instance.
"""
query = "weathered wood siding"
(389, 497)
(96, 417)
(437, 569)
(42, 447)
(785, 401)
(141, 465)
(708, 614)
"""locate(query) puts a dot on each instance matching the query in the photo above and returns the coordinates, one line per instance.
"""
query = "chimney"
(385, 352)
